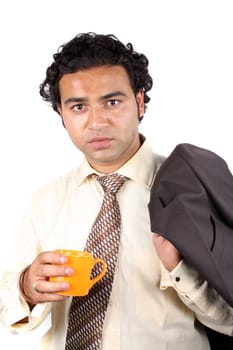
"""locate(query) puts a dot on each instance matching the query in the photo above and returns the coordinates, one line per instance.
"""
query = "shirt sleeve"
(13, 307)
(209, 307)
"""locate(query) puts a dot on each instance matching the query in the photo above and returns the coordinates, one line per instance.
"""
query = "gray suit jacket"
(191, 205)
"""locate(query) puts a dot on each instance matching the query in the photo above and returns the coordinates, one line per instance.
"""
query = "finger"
(46, 271)
(157, 238)
(47, 297)
(45, 287)
(51, 258)
(156, 234)
(34, 287)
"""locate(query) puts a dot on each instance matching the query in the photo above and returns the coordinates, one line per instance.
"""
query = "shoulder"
(57, 188)
(159, 159)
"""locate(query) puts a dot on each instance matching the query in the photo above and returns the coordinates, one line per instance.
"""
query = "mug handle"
(102, 272)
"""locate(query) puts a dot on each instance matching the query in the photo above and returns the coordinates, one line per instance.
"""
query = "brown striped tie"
(87, 313)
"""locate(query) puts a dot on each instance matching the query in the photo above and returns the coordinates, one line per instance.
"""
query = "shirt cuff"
(18, 309)
(37, 315)
(183, 278)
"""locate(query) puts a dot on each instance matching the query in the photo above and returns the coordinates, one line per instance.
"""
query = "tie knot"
(111, 183)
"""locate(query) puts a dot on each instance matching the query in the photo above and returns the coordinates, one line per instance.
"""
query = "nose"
(97, 118)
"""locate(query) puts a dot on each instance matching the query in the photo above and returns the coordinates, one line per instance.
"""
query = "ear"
(59, 109)
(60, 113)
(140, 102)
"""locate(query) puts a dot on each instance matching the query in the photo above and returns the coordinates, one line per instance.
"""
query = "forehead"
(94, 80)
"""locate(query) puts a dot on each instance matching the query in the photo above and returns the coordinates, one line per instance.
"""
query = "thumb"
(157, 239)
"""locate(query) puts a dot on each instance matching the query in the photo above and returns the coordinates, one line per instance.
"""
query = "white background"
(190, 47)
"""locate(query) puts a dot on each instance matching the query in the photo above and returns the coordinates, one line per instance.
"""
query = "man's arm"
(208, 306)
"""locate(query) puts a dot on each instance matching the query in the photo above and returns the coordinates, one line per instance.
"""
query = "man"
(99, 88)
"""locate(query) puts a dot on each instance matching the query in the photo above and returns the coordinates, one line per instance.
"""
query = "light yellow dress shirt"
(150, 308)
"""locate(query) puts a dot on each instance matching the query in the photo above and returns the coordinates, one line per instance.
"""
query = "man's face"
(100, 113)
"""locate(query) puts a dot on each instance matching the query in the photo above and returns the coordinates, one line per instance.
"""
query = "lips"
(100, 142)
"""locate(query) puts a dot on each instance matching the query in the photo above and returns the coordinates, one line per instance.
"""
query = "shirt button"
(177, 279)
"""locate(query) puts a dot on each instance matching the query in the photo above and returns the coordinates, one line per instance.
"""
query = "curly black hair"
(87, 50)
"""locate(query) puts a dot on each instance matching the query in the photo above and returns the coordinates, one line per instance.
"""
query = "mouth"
(100, 142)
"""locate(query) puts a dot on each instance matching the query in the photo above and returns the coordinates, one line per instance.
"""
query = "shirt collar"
(140, 168)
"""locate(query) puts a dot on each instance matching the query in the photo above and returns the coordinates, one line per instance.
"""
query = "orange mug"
(82, 264)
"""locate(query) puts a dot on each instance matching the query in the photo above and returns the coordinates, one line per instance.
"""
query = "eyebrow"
(101, 98)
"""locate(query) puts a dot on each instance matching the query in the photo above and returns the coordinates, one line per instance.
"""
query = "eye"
(78, 107)
(113, 102)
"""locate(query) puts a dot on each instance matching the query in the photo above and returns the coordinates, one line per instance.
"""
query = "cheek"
(128, 116)
(73, 128)
(77, 137)
(130, 122)
(72, 123)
